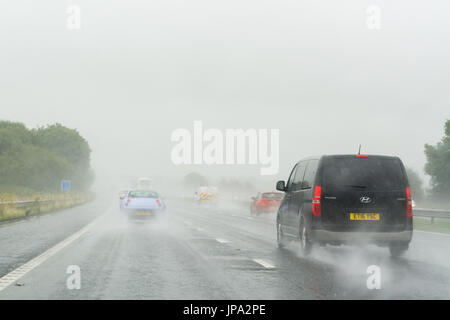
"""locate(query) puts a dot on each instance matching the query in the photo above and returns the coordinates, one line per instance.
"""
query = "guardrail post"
(432, 220)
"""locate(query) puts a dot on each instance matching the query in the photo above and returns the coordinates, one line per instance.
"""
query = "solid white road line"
(264, 263)
(16, 274)
(222, 240)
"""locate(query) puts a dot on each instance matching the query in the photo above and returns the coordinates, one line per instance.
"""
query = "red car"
(266, 202)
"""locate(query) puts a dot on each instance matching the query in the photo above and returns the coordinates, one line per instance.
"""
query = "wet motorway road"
(202, 252)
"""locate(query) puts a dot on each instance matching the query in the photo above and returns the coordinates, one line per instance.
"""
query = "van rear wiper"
(356, 186)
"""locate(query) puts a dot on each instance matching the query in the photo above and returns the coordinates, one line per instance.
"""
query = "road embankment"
(13, 207)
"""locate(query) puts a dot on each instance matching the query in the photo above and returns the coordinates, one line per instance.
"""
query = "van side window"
(297, 183)
(310, 174)
(291, 178)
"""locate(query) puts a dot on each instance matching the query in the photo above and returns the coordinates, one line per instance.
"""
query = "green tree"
(13, 136)
(39, 159)
(194, 180)
(416, 184)
(71, 146)
(438, 164)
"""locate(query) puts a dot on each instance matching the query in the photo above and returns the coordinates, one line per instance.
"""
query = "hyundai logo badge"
(365, 199)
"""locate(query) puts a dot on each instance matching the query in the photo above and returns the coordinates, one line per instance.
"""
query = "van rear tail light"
(316, 207)
(158, 202)
(409, 211)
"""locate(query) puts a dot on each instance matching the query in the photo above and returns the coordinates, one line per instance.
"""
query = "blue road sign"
(65, 185)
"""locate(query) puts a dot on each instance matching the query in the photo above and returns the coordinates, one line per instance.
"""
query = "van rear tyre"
(305, 242)
(281, 239)
(398, 249)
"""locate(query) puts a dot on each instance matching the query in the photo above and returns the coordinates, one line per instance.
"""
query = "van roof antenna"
(359, 151)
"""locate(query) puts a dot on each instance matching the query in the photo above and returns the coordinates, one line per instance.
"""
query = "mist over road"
(206, 252)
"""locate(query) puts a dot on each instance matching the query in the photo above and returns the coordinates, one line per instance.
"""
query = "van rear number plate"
(365, 216)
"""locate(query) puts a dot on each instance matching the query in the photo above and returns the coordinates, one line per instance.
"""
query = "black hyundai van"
(346, 199)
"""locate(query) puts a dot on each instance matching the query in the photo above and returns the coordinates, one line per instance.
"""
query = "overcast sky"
(137, 70)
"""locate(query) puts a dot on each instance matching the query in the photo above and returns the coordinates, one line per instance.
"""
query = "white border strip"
(16, 274)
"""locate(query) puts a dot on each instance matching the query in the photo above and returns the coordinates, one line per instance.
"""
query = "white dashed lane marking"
(264, 263)
(222, 240)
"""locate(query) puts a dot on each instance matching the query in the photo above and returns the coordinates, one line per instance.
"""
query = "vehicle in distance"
(142, 203)
(144, 183)
(265, 202)
(347, 199)
(206, 193)
(123, 194)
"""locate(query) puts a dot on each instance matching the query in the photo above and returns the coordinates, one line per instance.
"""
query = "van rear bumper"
(361, 237)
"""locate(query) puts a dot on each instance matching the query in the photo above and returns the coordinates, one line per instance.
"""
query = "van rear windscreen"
(363, 173)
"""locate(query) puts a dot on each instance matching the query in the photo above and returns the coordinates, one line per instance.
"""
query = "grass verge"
(56, 202)
(439, 225)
